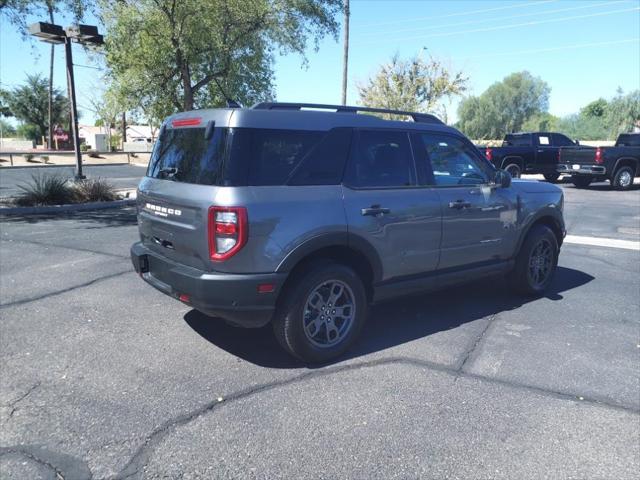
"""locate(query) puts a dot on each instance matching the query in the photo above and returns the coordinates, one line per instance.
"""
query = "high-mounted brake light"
(489, 154)
(227, 231)
(186, 122)
(599, 158)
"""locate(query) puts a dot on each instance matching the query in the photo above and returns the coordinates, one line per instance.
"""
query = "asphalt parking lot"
(104, 377)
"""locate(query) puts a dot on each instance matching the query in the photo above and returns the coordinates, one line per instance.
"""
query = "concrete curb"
(60, 209)
(72, 165)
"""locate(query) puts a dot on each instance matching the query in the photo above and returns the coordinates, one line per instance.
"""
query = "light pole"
(84, 34)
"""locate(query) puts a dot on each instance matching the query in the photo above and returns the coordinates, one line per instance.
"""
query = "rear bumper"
(581, 169)
(232, 297)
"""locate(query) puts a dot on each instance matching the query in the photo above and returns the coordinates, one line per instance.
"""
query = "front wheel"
(580, 181)
(623, 178)
(321, 313)
(536, 262)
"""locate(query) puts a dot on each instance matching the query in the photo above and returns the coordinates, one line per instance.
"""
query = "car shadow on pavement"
(389, 324)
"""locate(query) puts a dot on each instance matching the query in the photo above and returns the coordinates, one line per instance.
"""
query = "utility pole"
(74, 111)
(345, 59)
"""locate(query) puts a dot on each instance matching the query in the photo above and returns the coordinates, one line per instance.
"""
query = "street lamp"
(84, 34)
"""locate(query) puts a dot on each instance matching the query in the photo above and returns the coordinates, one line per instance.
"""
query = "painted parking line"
(603, 242)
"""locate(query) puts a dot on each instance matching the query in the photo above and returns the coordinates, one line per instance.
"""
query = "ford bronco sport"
(303, 215)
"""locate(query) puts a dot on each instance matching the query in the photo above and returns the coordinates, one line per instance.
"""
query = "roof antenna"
(231, 103)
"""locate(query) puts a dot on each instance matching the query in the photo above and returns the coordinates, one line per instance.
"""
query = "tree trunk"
(124, 128)
(188, 90)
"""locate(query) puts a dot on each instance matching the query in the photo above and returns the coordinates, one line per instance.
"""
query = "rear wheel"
(551, 177)
(321, 313)
(580, 181)
(514, 170)
(623, 178)
(536, 262)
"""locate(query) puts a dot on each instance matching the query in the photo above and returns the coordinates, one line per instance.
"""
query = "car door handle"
(375, 210)
(540, 150)
(459, 204)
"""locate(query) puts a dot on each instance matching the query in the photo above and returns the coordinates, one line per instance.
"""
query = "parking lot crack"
(65, 290)
(469, 352)
(75, 249)
(12, 404)
(64, 467)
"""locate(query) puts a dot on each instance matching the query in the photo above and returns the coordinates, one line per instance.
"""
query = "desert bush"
(29, 157)
(44, 158)
(45, 190)
(94, 190)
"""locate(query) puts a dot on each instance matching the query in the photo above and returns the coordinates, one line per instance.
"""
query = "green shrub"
(29, 157)
(44, 158)
(45, 190)
(84, 147)
(94, 190)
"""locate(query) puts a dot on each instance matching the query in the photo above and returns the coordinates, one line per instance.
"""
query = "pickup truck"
(618, 164)
(535, 152)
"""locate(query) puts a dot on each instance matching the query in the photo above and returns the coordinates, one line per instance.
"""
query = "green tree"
(623, 113)
(29, 104)
(416, 85)
(597, 108)
(583, 127)
(541, 122)
(6, 128)
(168, 55)
(504, 106)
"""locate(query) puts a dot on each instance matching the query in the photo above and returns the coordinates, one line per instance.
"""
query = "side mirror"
(577, 142)
(502, 179)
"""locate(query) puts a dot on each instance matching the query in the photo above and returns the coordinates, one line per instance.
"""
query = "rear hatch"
(186, 171)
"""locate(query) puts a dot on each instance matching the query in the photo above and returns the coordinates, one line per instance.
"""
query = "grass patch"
(55, 189)
(95, 190)
(45, 190)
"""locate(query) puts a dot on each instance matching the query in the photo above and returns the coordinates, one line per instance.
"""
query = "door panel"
(385, 207)
(478, 220)
(478, 224)
(546, 153)
(406, 236)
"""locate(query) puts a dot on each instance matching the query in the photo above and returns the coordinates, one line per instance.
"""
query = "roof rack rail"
(417, 117)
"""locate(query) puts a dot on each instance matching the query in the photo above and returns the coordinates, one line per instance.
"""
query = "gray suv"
(303, 215)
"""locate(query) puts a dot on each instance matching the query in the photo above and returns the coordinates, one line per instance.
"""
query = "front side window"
(451, 161)
(562, 141)
(381, 159)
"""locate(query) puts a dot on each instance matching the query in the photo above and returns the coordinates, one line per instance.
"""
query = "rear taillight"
(599, 155)
(227, 231)
(489, 154)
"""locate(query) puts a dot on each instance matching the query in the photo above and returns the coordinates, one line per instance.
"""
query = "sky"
(583, 49)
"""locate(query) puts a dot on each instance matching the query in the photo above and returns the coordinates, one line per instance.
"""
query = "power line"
(499, 27)
(458, 14)
(472, 22)
(553, 49)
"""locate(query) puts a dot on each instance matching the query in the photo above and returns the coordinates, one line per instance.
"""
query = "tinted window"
(627, 140)
(544, 140)
(562, 141)
(325, 163)
(272, 154)
(452, 161)
(381, 159)
(517, 140)
(185, 155)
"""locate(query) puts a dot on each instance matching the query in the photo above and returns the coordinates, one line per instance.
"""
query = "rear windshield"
(517, 140)
(185, 155)
(627, 140)
(248, 156)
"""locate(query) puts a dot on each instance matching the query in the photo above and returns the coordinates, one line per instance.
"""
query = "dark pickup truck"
(535, 152)
(618, 164)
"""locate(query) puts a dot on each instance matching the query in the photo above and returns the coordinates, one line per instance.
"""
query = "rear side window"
(324, 165)
(517, 140)
(185, 155)
(273, 155)
(628, 140)
(381, 159)
(562, 141)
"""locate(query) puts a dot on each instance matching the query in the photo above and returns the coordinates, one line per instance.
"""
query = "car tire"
(514, 170)
(623, 178)
(308, 325)
(581, 182)
(536, 262)
(551, 177)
